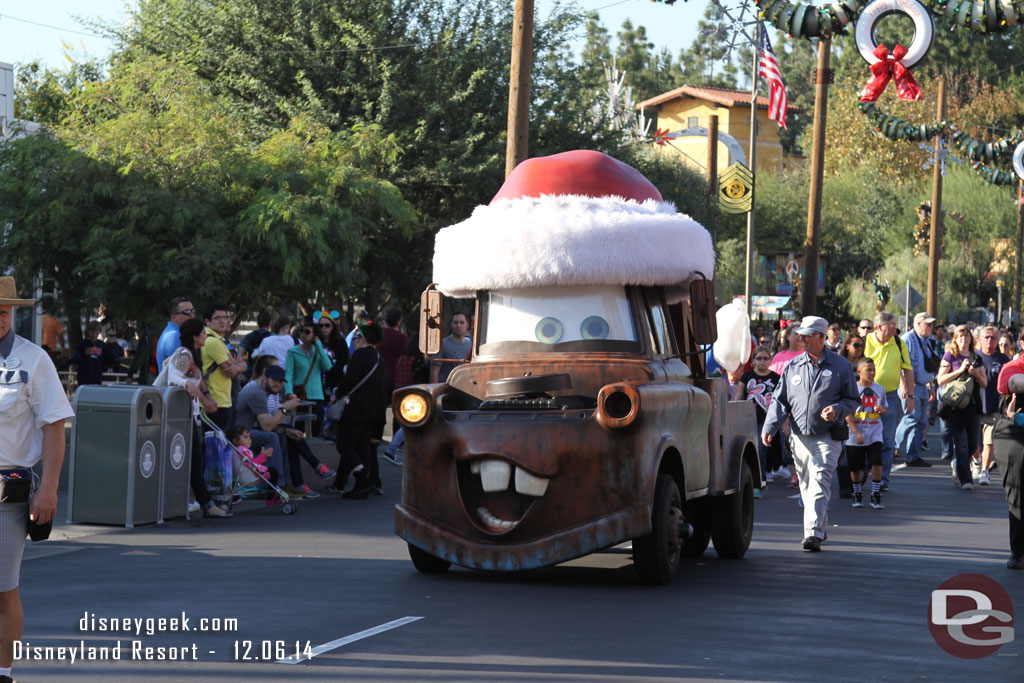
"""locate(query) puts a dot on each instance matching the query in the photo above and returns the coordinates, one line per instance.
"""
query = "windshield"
(558, 319)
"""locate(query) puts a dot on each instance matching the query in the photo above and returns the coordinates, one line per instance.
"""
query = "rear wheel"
(732, 519)
(427, 563)
(656, 556)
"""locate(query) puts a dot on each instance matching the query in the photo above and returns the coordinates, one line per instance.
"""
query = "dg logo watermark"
(970, 616)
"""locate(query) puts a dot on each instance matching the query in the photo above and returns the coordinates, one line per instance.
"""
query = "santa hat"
(575, 218)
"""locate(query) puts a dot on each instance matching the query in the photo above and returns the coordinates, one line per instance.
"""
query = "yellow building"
(684, 114)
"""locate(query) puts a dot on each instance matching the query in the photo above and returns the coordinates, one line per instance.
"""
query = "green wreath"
(981, 155)
(799, 20)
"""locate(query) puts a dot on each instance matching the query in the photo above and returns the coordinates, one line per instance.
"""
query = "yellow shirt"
(215, 351)
(890, 360)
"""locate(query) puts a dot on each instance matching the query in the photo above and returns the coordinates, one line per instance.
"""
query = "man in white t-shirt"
(33, 408)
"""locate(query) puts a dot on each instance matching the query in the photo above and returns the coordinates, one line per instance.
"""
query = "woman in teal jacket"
(304, 367)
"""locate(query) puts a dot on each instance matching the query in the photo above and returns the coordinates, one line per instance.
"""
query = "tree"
(709, 61)
(53, 195)
(432, 73)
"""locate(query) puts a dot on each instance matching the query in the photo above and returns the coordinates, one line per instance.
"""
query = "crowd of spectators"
(910, 371)
(255, 388)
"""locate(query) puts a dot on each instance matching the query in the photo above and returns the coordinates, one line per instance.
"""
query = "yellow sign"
(736, 189)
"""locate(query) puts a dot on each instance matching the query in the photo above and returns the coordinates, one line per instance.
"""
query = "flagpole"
(747, 293)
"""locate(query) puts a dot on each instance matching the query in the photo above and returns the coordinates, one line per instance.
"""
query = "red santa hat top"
(575, 218)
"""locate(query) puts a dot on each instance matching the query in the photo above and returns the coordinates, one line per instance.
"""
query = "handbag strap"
(368, 375)
(312, 364)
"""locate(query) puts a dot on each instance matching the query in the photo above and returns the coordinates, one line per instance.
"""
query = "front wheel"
(427, 563)
(732, 519)
(656, 556)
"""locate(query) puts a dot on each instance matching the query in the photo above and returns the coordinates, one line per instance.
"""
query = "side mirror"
(431, 320)
(702, 306)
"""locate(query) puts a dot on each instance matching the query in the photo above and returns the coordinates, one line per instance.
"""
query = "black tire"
(656, 556)
(697, 513)
(289, 508)
(732, 518)
(427, 563)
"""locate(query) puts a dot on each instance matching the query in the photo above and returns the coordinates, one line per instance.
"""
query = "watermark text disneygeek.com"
(149, 626)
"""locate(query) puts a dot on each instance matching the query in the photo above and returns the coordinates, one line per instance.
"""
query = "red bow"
(887, 68)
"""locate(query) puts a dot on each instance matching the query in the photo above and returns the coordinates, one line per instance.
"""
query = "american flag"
(769, 68)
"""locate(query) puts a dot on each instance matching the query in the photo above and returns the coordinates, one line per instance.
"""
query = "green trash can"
(176, 454)
(116, 441)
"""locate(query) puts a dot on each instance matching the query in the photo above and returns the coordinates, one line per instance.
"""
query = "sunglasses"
(762, 358)
(186, 311)
(989, 336)
(326, 325)
(307, 330)
(856, 346)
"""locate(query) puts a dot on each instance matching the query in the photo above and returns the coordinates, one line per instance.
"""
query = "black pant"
(197, 477)
(355, 447)
(223, 418)
(1008, 444)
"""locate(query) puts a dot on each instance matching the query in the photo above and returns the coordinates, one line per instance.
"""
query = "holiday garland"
(982, 155)
(800, 20)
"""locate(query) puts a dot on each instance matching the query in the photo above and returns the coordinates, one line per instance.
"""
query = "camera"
(977, 362)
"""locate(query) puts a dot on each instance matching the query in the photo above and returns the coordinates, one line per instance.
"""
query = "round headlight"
(413, 408)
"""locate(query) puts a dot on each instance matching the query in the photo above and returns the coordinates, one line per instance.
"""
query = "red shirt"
(1014, 367)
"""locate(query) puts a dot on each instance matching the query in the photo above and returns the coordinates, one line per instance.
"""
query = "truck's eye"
(549, 330)
(594, 327)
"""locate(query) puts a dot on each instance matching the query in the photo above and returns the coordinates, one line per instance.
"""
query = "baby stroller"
(238, 473)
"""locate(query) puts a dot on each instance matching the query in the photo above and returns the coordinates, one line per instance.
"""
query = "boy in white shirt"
(865, 443)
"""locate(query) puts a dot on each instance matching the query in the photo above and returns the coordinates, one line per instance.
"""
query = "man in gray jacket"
(817, 391)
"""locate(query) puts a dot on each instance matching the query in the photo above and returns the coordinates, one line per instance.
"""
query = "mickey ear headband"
(333, 315)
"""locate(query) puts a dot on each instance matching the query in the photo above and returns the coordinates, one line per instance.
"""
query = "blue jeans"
(889, 422)
(913, 426)
(963, 426)
(261, 440)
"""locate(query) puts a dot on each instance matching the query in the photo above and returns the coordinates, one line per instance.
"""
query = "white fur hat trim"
(570, 240)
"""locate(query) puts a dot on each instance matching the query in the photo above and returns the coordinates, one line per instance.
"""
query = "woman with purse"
(363, 393)
(961, 374)
(183, 371)
(304, 368)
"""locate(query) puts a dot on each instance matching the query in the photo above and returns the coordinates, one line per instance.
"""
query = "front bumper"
(543, 552)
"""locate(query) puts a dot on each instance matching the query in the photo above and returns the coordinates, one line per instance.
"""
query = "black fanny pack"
(15, 485)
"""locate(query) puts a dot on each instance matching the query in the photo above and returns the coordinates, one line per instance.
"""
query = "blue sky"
(22, 41)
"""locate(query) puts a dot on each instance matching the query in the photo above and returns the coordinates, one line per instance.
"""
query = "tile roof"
(724, 96)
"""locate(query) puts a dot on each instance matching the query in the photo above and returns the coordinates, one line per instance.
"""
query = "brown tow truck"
(584, 418)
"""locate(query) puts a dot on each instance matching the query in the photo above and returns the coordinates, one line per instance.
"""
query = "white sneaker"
(194, 507)
(975, 469)
(983, 478)
(967, 487)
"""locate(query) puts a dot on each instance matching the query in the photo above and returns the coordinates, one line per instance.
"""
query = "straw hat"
(9, 294)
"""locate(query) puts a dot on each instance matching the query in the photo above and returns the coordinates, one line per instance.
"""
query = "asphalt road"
(333, 573)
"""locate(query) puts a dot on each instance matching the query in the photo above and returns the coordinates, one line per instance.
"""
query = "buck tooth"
(529, 485)
(474, 467)
(495, 475)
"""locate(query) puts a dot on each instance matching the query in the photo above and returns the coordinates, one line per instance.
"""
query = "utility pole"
(712, 166)
(822, 77)
(519, 85)
(935, 233)
(748, 293)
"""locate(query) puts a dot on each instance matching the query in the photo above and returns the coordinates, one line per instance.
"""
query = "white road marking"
(334, 644)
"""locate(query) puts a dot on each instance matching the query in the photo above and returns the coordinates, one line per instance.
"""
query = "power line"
(55, 28)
